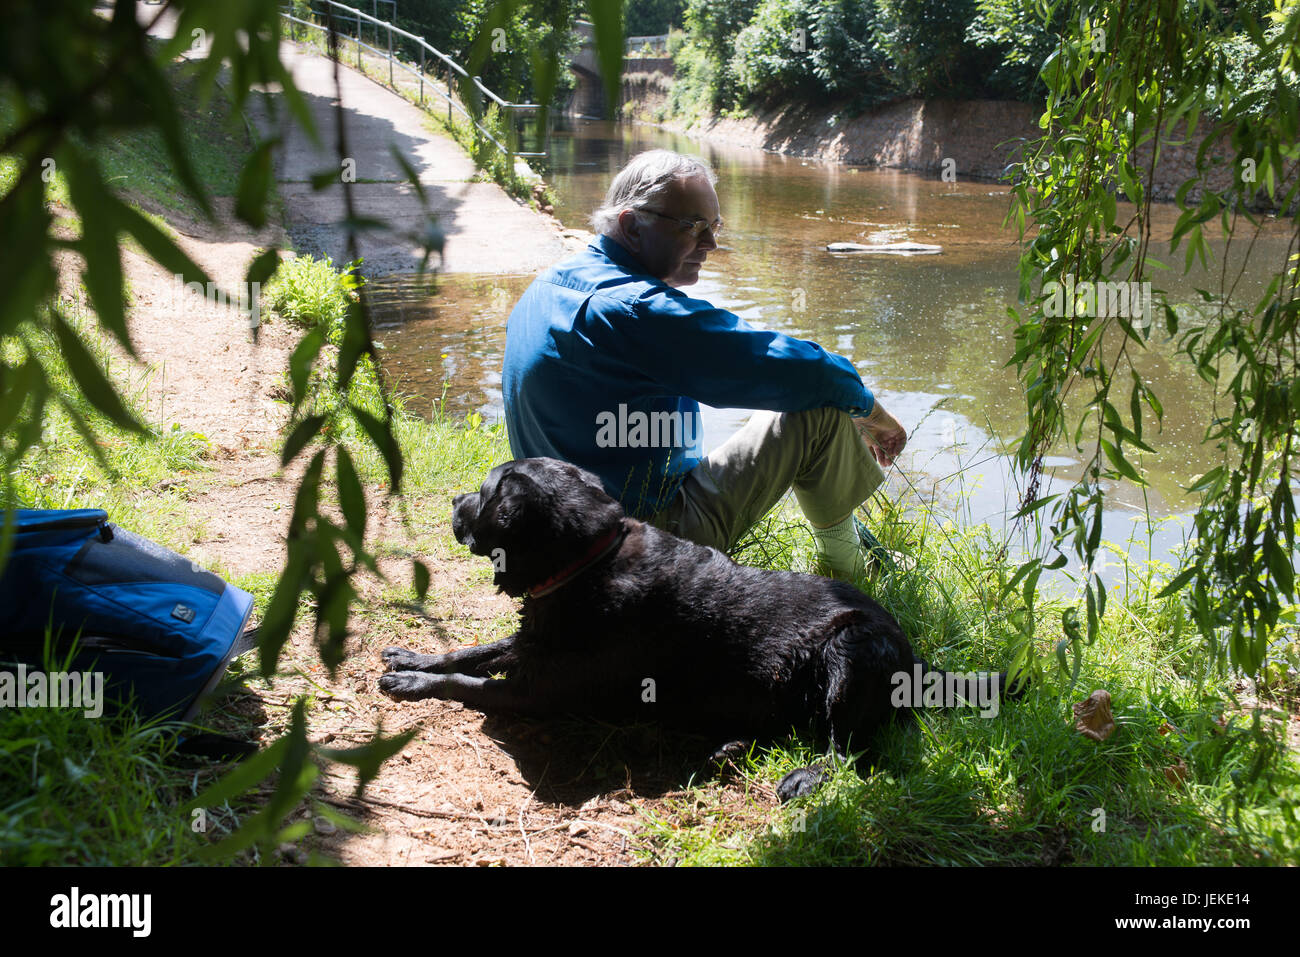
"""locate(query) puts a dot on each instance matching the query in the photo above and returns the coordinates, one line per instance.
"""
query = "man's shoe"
(878, 556)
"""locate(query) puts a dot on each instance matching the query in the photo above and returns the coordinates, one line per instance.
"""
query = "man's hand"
(883, 433)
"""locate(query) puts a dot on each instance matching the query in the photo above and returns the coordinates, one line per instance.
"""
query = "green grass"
(1023, 787)
(136, 162)
(55, 769)
(312, 292)
(215, 138)
(145, 475)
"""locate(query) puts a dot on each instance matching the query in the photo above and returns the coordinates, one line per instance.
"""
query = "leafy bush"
(1013, 30)
(746, 52)
(311, 292)
(515, 60)
(925, 44)
(772, 53)
(835, 53)
(707, 70)
(651, 17)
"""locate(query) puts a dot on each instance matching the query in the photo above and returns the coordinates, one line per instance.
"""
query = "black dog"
(624, 621)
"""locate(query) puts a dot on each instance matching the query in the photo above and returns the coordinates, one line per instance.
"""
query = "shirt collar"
(615, 252)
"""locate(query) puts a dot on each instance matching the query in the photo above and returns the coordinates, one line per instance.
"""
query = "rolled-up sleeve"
(689, 347)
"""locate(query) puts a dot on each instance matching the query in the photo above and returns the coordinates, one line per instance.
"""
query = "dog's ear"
(582, 511)
(543, 515)
(512, 530)
(508, 504)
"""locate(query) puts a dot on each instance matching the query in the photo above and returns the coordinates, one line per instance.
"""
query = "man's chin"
(685, 277)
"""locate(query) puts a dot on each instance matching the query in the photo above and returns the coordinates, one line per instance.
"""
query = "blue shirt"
(605, 367)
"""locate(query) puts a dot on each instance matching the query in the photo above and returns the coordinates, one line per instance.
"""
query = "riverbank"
(954, 139)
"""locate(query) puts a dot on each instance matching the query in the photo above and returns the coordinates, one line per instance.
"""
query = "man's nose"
(707, 241)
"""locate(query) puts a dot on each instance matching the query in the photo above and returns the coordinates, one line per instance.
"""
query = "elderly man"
(607, 359)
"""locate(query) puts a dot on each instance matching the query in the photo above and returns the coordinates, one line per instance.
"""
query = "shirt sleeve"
(689, 347)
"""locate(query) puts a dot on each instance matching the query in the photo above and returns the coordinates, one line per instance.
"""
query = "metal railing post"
(390, 53)
(422, 76)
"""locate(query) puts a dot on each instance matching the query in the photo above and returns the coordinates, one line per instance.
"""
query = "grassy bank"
(1170, 786)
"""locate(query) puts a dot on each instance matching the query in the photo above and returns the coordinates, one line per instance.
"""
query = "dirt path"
(468, 790)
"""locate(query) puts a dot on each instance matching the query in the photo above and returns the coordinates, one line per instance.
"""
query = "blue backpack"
(159, 628)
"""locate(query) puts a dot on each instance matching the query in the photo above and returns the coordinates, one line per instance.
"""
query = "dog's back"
(676, 632)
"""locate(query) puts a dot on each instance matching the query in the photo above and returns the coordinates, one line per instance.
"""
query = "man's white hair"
(643, 182)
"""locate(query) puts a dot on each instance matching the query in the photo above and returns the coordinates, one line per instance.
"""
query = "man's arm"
(672, 344)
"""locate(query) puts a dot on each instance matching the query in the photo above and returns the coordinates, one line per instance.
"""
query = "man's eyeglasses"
(695, 227)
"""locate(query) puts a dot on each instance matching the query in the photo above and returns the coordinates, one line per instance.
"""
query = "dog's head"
(534, 518)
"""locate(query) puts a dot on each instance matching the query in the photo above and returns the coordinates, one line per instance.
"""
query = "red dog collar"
(602, 547)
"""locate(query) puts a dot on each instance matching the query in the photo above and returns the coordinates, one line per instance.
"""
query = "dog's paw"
(731, 751)
(402, 659)
(800, 783)
(408, 685)
(726, 760)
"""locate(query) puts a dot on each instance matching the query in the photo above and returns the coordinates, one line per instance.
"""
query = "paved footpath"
(486, 230)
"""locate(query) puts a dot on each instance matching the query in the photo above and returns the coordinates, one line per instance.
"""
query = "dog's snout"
(463, 509)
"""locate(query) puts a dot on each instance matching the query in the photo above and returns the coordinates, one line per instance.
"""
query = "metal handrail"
(452, 68)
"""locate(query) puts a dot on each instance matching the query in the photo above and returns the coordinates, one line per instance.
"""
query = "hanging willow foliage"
(1126, 79)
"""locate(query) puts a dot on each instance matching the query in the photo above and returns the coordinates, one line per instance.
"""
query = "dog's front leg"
(476, 660)
(485, 694)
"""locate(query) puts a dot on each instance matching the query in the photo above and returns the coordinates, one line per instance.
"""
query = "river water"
(930, 334)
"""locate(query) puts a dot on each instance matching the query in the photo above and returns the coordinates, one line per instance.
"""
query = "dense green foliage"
(1121, 80)
(737, 54)
(652, 17)
(533, 36)
(755, 52)
(312, 293)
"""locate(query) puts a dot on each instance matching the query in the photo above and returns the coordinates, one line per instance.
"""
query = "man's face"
(666, 248)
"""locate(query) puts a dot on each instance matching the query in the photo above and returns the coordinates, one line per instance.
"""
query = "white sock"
(839, 550)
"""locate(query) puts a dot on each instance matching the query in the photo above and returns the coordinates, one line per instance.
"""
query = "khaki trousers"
(819, 453)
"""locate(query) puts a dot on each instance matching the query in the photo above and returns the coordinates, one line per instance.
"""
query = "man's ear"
(629, 226)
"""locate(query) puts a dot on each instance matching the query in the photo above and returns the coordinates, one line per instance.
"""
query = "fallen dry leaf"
(1093, 717)
(1176, 773)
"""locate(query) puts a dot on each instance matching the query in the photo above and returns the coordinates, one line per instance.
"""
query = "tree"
(1123, 79)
